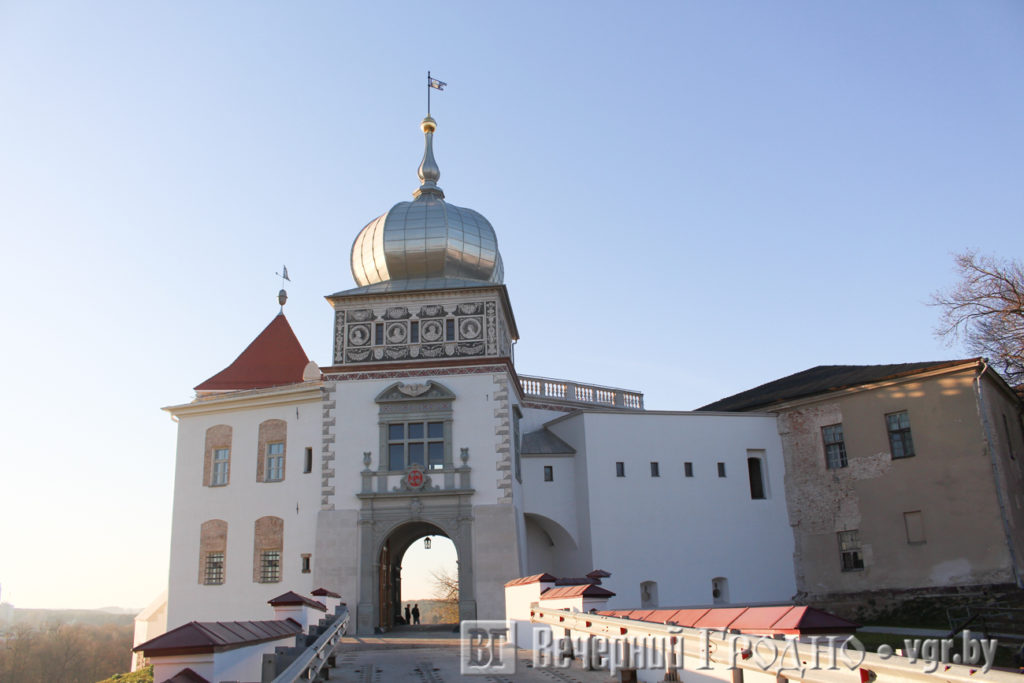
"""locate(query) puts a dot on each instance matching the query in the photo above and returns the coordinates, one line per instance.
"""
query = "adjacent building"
(899, 477)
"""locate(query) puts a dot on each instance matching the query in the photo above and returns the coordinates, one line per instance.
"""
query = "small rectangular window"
(721, 469)
(914, 524)
(214, 574)
(688, 469)
(270, 566)
(221, 458)
(850, 557)
(549, 473)
(449, 330)
(620, 469)
(306, 563)
(275, 461)
(655, 470)
(756, 473)
(835, 448)
(307, 466)
(414, 332)
(1009, 439)
(378, 334)
(899, 435)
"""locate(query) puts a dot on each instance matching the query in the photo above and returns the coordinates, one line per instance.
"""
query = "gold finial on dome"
(428, 172)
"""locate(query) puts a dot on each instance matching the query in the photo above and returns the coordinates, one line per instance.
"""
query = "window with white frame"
(835, 447)
(221, 459)
(275, 461)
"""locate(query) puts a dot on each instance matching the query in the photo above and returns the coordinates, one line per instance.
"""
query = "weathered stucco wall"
(948, 481)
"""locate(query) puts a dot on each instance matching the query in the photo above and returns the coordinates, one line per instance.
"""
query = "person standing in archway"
(407, 619)
(416, 613)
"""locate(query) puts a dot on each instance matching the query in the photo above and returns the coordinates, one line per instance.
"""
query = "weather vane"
(433, 83)
(282, 296)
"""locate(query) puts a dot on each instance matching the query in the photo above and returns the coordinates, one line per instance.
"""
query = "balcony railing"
(576, 393)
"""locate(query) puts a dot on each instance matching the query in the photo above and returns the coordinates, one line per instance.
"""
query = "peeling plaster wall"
(949, 481)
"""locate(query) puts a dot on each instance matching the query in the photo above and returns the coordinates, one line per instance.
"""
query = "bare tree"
(446, 589)
(985, 309)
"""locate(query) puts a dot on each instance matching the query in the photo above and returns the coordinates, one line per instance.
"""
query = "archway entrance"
(393, 553)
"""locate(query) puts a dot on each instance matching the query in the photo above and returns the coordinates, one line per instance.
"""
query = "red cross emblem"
(415, 478)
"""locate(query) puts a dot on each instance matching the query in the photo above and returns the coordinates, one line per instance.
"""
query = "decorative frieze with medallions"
(428, 331)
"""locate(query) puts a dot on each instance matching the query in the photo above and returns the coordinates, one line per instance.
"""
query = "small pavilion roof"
(275, 357)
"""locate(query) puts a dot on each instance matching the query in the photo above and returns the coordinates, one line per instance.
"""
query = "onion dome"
(427, 238)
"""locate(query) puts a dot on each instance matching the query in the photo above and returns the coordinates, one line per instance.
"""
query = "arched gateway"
(389, 577)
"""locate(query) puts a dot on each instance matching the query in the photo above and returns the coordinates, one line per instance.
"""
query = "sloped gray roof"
(543, 442)
(821, 380)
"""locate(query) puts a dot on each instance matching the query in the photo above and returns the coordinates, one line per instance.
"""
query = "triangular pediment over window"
(428, 391)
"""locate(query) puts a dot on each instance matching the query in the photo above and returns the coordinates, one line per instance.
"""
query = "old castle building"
(292, 476)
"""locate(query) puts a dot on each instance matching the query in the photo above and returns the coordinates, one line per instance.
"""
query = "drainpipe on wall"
(994, 460)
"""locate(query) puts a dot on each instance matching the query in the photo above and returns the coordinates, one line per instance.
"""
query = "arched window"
(217, 456)
(268, 545)
(213, 545)
(272, 450)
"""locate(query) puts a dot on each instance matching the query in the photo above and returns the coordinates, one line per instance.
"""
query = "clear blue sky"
(691, 198)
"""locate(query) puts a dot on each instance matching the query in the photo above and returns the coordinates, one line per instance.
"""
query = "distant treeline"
(66, 652)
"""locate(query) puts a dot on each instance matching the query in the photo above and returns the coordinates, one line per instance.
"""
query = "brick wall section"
(218, 436)
(213, 538)
(327, 458)
(503, 438)
(271, 431)
(268, 535)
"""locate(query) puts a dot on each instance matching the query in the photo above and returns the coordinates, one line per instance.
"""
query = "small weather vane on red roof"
(282, 296)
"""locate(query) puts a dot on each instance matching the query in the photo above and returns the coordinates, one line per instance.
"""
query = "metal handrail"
(307, 665)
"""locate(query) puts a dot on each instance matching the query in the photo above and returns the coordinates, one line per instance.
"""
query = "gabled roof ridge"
(823, 379)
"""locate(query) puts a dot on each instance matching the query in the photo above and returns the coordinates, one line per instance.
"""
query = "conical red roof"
(273, 358)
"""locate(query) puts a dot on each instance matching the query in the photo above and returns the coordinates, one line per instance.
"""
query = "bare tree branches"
(985, 310)
(446, 589)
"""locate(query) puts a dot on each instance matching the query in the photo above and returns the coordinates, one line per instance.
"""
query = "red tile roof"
(293, 598)
(186, 676)
(214, 636)
(758, 620)
(546, 578)
(274, 357)
(324, 593)
(587, 590)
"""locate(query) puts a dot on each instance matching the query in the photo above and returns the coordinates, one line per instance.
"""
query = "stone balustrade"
(577, 393)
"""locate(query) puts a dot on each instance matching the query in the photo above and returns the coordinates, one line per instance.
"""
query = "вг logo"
(485, 649)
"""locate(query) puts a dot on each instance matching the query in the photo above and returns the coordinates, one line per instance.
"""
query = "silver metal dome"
(427, 237)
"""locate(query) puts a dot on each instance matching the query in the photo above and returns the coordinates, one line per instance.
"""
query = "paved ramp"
(432, 657)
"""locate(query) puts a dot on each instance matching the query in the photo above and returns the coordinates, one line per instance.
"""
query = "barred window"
(899, 435)
(835, 448)
(214, 574)
(416, 443)
(270, 566)
(850, 557)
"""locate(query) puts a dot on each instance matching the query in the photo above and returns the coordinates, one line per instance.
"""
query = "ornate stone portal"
(405, 504)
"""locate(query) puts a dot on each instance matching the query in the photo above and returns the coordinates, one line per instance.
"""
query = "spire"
(428, 171)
